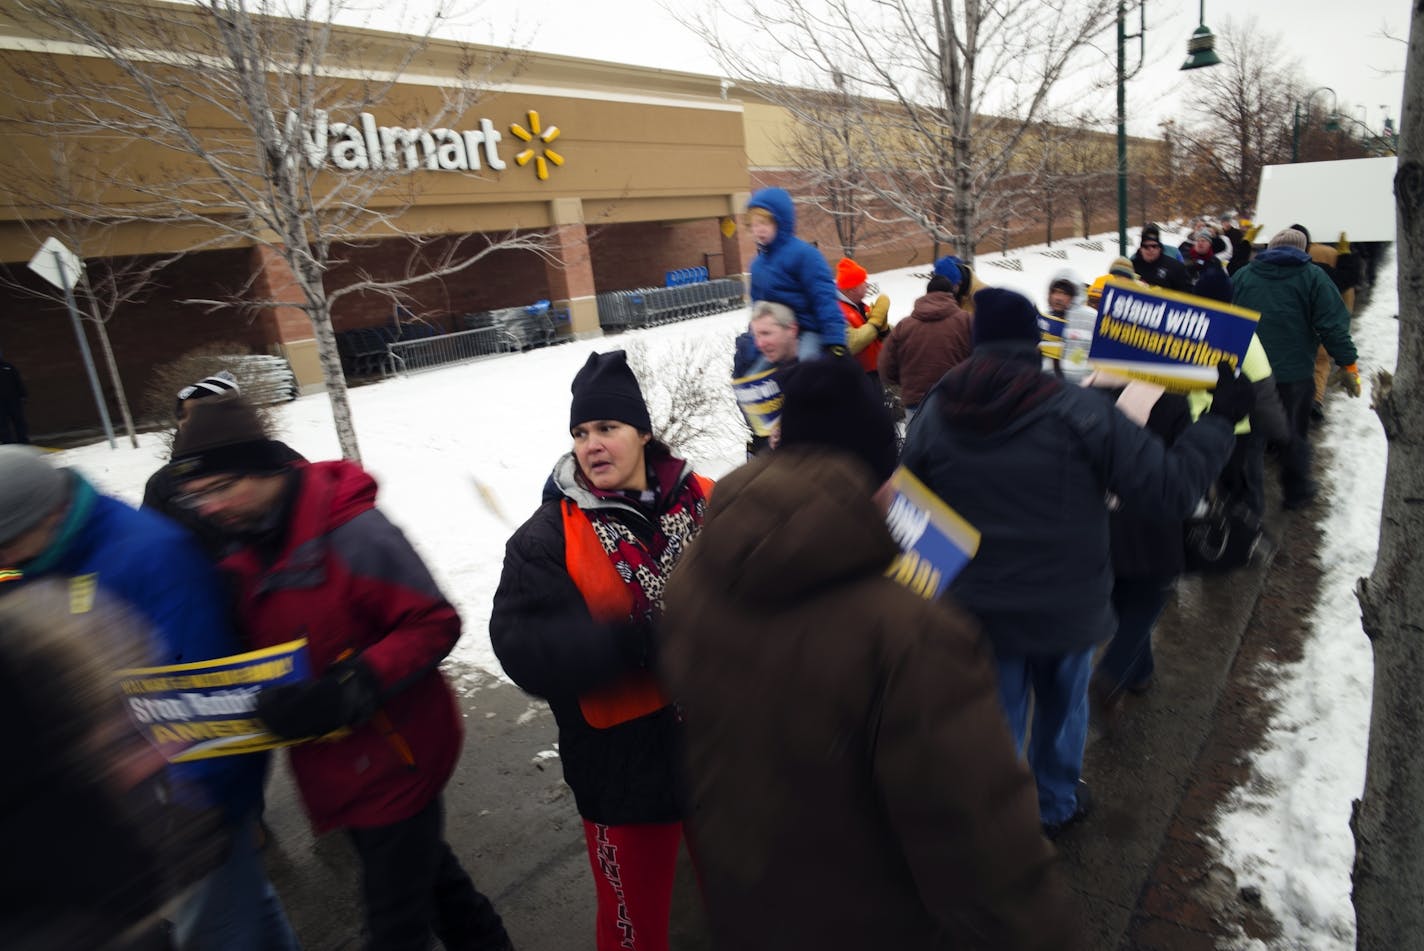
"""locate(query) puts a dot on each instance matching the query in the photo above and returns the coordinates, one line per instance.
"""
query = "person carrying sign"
(315, 559)
(1028, 461)
(851, 781)
(54, 524)
(576, 620)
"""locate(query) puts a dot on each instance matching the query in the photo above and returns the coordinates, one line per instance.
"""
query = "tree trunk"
(1389, 834)
(119, 394)
(335, 379)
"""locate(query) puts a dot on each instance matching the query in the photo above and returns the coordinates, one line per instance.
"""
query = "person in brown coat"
(851, 779)
(924, 346)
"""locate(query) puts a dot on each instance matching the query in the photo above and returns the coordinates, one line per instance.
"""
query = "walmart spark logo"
(545, 136)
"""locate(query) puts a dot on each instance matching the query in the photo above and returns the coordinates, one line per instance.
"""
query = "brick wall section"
(500, 279)
(38, 337)
(639, 254)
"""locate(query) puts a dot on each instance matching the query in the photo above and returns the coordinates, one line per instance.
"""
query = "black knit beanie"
(1002, 316)
(607, 389)
(832, 403)
(224, 435)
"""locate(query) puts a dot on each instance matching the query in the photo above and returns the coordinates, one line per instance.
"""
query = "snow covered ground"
(1289, 834)
(434, 439)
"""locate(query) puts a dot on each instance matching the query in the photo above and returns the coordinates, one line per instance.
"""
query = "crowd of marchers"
(849, 764)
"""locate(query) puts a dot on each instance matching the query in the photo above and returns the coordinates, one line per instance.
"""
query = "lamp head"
(1201, 49)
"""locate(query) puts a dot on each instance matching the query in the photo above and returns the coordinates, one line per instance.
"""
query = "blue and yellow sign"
(1175, 340)
(205, 709)
(935, 541)
(759, 396)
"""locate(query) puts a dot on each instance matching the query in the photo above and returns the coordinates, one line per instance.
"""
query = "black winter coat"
(1165, 272)
(1145, 547)
(551, 646)
(1029, 462)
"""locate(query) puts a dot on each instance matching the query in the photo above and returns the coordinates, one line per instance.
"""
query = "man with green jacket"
(1301, 310)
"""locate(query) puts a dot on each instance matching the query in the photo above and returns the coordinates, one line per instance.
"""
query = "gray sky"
(1337, 43)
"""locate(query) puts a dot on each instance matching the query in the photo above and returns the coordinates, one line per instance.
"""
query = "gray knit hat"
(30, 489)
(1289, 238)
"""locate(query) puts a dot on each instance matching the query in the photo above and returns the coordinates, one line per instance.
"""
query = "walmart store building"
(647, 172)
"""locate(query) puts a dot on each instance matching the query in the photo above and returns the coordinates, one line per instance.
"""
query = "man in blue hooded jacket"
(53, 523)
(1028, 461)
(789, 271)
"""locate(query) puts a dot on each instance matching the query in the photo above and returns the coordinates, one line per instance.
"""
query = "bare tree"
(1389, 837)
(825, 154)
(687, 384)
(248, 123)
(945, 92)
(1243, 110)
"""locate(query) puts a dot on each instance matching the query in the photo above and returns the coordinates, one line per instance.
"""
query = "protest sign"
(1175, 340)
(204, 709)
(759, 396)
(1050, 329)
(935, 541)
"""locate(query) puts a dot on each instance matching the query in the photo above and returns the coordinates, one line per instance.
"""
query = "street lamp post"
(1200, 52)
(1371, 141)
(1295, 120)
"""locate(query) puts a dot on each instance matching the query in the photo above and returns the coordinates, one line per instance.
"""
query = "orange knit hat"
(849, 274)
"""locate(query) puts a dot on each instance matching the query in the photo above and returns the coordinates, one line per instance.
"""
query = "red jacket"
(347, 580)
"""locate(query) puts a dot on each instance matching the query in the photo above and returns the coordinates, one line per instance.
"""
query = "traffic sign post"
(62, 267)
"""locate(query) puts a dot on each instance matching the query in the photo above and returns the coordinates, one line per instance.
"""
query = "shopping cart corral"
(654, 306)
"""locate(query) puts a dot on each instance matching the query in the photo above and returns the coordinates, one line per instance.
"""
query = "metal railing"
(411, 356)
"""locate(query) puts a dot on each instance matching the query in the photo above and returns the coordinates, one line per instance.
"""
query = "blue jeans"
(1128, 660)
(1059, 686)
(234, 907)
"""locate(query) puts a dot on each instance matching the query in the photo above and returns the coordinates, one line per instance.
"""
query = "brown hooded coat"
(852, 782)
(934, 339)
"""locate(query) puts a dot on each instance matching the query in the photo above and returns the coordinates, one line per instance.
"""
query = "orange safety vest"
(635, 694)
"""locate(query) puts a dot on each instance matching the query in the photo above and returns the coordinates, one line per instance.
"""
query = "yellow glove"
(1350, 379)
(1343, 245)
(1251, 233)
(879, 312)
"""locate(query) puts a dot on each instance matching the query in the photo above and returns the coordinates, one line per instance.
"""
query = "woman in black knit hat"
(575, 622)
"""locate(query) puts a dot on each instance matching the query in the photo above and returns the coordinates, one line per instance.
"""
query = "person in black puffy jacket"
(575, 620)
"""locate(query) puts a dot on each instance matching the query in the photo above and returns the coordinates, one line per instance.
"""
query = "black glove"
(347, 694)
(636, 644)
(1234, 396)
(837, 350)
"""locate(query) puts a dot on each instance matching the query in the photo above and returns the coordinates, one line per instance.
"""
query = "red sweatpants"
(632, 873)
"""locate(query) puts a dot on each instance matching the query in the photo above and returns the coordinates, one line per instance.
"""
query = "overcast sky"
(1337, 43)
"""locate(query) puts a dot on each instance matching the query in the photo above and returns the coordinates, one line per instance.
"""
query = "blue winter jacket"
(789, 271)
(157, 570)
(1028, 462)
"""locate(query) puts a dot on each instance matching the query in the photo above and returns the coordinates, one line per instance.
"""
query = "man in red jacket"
(312, 558)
